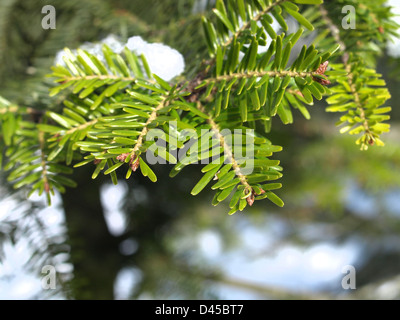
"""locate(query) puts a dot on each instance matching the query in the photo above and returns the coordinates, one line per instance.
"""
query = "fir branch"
(357, 100)
(256, 18)
(114, 103)
(227, 150)
(99, 77)
(250, 74)
(334, 30)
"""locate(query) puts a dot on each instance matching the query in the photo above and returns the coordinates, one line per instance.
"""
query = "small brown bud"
(321, 70)
(122, 157)
(250, 199)
(96, 161)
(46, 187)
(134, 163)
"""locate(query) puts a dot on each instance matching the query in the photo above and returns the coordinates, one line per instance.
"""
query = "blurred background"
(140, 240)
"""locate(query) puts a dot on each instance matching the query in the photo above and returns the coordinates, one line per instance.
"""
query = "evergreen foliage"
(110, 108)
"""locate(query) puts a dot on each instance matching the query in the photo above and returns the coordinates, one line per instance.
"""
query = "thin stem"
(227, 150)
(250, 74)
(99, 77)
(107, 77)
(152, 117)
(82, 126)
(357, 100)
